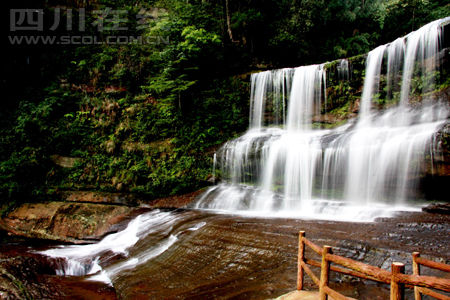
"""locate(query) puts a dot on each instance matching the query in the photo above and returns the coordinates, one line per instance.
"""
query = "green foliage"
(147, 118)
(196, 40)
(403, 16)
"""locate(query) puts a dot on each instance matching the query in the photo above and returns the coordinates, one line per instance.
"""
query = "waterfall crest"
(282, 164)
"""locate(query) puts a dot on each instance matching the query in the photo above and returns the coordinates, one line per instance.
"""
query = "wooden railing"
(396, 278)
(416, 262)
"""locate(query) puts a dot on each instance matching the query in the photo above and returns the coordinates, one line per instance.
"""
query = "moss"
(342, 111)
(334, 124)
(18, 287)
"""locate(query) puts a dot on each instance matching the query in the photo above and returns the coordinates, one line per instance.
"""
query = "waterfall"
(372, 81)
(305, 97)
(422, 48)
(285, 164)
(343, 70)
(214, 168)
(269, 84)
(396, 52)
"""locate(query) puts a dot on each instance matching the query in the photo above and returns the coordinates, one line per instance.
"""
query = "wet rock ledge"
(78, 217)
(82, 217)
(66, 222)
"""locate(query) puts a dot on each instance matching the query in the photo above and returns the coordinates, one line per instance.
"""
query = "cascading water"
(283, 165)
(371, 83)
(343, 70)
(161, 227)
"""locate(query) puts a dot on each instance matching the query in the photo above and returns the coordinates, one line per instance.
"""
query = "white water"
(395, 54)
(371, 82)
(343, 70)
(85, 260)
(304, 97)
(422, 48)
(358, 171)
(366, 168)
(269, 96)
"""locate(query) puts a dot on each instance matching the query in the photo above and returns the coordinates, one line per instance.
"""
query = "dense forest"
(146, 118)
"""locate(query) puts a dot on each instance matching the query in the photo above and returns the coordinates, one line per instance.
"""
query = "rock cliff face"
(100, 197)
(82, 217)
(66, 222)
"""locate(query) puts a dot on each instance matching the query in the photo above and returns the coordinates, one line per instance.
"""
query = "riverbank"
(234, 256)
(78, 218)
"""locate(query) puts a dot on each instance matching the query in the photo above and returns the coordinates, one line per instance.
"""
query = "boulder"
(66, 222)
(439, 208)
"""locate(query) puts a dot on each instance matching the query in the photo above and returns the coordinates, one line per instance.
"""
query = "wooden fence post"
(301, 258)
(416, 271)
(397, 289)
(324, 273)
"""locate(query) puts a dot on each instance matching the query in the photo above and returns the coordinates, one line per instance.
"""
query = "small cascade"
(371, 165)
(422, 47)
(371, 83)
(161, 228)
(305, 97)
(214, 167)
(395, 54)
(343, 70)
(268, 97)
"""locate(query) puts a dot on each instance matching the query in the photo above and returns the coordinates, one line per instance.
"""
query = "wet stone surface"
(24, 275)
(234, 257)
(65, 221)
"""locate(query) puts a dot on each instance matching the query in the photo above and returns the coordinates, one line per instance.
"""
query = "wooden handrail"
(433, 282)
(433, 264)
(334, 294)
(395, 278)
(419, 289)
(313, 246)
(368, 270)
(311, 274)
(345, 271)
(432, 293)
